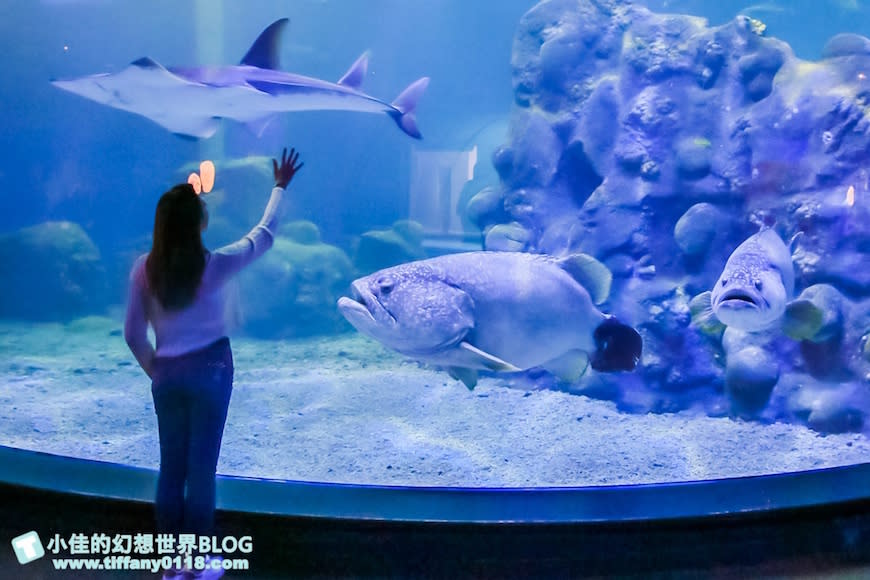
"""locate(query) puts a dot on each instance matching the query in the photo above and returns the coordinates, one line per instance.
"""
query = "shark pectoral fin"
(594, 276)
(193, 127)
(802, 320)
(405, 107)
(467, 376)
(478, 357)
(354, 76)
(147, 71)
(701, 309)
(569, 367)
(264, 53)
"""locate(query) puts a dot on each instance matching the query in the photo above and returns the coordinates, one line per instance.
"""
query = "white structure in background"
(208, 26)
(437, 179)
(442, 183)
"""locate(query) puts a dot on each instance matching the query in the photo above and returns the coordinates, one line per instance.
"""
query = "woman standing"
(179, 289)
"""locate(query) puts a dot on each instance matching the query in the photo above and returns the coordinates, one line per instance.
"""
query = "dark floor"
(830, 543)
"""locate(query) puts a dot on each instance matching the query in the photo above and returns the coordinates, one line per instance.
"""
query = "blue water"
(67, 158)
(64, 158)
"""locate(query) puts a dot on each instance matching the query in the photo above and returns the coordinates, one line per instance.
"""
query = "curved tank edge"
(600, 504)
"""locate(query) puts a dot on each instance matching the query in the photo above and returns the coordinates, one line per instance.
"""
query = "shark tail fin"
(618, 347)
(264, 52)
(354, 76)
(405, 107)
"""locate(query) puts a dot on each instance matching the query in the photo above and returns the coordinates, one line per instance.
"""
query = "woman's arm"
(229, 259)
(136, 322)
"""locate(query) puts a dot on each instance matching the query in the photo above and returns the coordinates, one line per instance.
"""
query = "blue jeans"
(191, 396)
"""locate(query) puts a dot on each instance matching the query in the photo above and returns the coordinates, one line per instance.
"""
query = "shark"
(191, 101)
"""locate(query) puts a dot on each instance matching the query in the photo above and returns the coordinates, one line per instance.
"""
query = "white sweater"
(202, 322)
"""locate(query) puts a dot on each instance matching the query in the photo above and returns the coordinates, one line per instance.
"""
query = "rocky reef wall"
(657, 144)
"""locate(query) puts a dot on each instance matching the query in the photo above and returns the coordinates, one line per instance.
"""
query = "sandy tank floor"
(343, 409)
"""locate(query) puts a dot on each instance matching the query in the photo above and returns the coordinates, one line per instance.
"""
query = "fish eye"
(758, 284)
(724, 281)
(385, 285)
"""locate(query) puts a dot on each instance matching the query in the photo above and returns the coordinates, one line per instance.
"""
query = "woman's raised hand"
(287, 169)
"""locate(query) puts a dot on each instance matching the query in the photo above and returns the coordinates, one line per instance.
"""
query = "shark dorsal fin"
(264, 52)
(354, 76)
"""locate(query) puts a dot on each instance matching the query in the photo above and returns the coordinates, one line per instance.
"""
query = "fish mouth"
(362, 301)
(353, 309)
(741, 298)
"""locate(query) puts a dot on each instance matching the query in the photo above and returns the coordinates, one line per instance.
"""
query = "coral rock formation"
(657, 144)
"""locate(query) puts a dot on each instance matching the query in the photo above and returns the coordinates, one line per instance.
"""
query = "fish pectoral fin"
(802, 320)
(486, 360)
(793, 242)
(594, 276)
(473, 358)
(701, 309)
(569, 367)
(467, 376)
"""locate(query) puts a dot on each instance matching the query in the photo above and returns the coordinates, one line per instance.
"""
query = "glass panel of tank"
(555, 243)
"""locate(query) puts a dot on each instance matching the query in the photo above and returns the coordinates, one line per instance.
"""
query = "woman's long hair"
(176, 262)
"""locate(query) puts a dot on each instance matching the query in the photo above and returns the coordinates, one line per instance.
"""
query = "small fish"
(755, 290)
(497, 311)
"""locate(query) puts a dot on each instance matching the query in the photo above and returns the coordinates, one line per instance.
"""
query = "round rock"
(750, 376)
(696, 229)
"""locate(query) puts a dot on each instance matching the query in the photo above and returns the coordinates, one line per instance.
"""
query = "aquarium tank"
(555, 243)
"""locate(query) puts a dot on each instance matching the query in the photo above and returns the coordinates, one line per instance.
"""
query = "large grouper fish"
(495, 311)
(755, 291)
